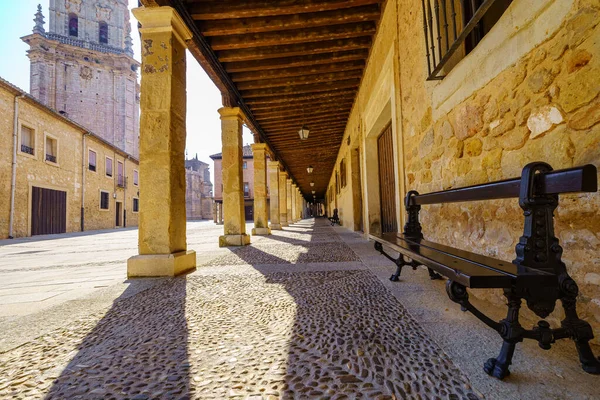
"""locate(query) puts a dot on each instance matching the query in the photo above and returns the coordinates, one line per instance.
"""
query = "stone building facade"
(83, 67)
(199, 190)
(528, 91)
(66, 179)
(247, 183)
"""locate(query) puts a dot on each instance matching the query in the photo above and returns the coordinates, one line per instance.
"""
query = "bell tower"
(83, 67)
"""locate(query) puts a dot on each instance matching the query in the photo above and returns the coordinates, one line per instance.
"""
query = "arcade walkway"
(307, 312)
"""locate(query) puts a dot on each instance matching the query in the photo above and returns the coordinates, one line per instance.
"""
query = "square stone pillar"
(234, 222)
(273, 167)
(162, 221)
(288, 186)
(294, 201)
(261, 215)
(283, 214)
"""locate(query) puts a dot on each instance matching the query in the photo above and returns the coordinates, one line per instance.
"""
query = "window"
(454, 27)
(27, 140)
(245, 165)
(136, 205)
(337, 182)
(103, 32)
(73, 25)
(343, 173)
(120, 176)
(51, 149)
(246, 189)
(108, 167)
(92, 160)
(104, 196)
(136, 177)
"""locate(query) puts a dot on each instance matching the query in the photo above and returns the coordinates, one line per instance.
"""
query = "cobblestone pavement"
(274, 320)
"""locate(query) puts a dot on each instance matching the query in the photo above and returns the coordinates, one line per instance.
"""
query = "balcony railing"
(437, 17)
(85, 44)
(26, 149)
(121, 181)
(51, 158)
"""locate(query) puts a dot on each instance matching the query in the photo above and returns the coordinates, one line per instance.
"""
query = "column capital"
(259, 147)
(231, 113)
(283, 174)
(273, 164)
(162, 19)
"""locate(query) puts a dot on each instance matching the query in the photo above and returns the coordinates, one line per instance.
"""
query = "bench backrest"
(578, 179)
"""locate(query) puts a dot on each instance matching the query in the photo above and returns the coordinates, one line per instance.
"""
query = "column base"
(261, 231)
(276, 227)
(148, 265)
(234, 240)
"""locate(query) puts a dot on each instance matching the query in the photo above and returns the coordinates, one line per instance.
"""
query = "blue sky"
(203, 124)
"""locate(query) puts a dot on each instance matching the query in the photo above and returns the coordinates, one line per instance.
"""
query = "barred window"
(453, 28)
(136, 205)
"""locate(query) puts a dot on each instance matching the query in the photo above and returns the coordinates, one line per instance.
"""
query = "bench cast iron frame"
(537, 253)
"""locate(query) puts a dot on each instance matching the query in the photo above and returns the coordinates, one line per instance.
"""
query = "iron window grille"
(26, 149)
(51, 158)
(121, 181)
(443, 45)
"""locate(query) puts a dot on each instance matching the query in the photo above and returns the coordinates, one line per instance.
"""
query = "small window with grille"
(136, 205)
(453, 28)
(27, 140)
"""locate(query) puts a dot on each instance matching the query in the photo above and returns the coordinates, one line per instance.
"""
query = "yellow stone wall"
(542, 104)
(65, 174)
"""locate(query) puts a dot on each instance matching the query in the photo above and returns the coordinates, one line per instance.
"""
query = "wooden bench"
(537, 275)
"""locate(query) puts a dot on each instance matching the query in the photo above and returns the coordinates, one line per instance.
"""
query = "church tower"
(83, 67)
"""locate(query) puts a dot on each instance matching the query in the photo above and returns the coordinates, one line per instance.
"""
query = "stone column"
(288, 186)
(234, 223)
(283, 214)
(221, 213)
(273, 167)
(215, 211)
(162, 223)
(294, 201)
(261, 217)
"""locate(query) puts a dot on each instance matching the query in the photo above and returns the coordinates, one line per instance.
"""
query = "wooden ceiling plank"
(332, 108)
(303, 89)
(285, 38)
(300, 61)
(234, 9)
(246, 26)
(299, 80)
(356, 65)
(294, 50)
(307, 119)
(289, 99)
(315, 102)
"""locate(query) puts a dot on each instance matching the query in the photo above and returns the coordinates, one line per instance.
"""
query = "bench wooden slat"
(579, 179)
(469, 269)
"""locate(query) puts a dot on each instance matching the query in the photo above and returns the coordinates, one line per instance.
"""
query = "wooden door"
(118, 216)
(48, 211)
(387, 182)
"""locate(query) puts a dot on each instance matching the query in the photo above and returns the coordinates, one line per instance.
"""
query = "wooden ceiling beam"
(286, 38)
(294, 50)
(293, 103)
(234, 9)
(247, 26)
(302, 89)
(356, 65)
(292, 112)
(299, 80)
(291, 62)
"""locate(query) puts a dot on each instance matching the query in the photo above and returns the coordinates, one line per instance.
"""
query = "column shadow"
(138, 350)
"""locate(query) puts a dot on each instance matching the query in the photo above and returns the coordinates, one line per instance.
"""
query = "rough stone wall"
(65, 175)
(546, 107)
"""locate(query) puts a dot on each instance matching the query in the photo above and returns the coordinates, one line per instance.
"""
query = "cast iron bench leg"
(434, 275)
(581, 330)
(399, 264)
(512, 333)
